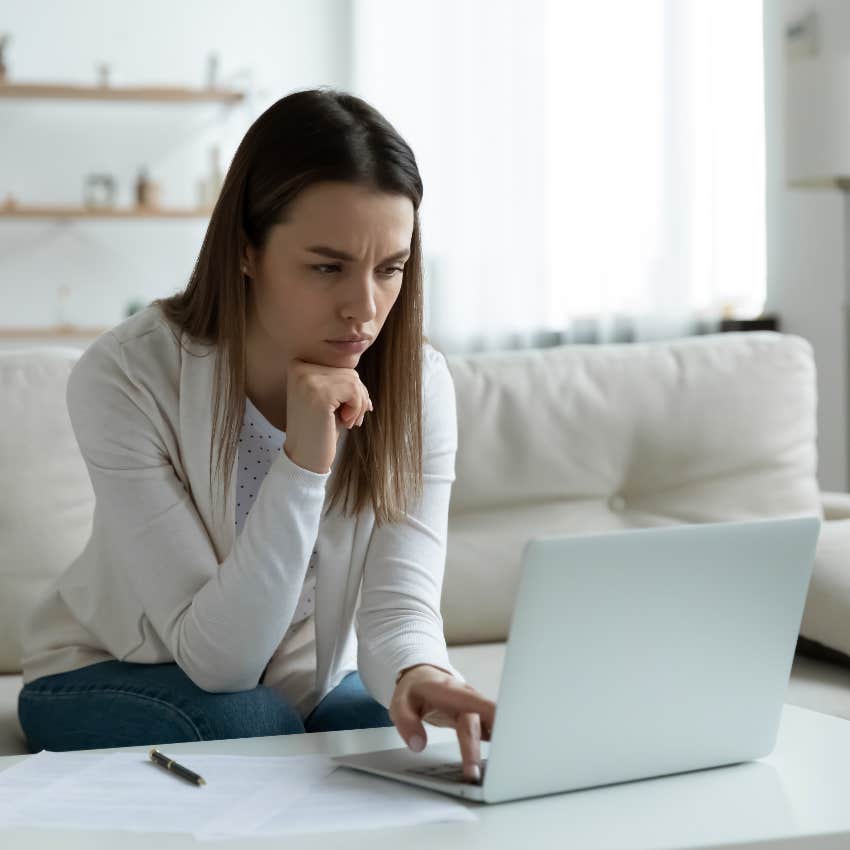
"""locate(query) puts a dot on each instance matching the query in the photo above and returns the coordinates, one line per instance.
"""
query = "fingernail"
(474, 772)
(416, 743)
(370, 405)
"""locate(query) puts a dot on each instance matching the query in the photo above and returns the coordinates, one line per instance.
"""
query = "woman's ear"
(247, 262)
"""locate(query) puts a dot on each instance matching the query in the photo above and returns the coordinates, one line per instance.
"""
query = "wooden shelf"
(22, 211)
(57, 331)
(173, 94)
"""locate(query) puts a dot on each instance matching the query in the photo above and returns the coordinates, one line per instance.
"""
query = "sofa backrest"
(46, 497)
(587, 438)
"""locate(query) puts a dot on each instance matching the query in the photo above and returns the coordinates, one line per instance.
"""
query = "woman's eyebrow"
(336, 254)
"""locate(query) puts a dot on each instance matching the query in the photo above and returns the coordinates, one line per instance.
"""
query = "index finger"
(462, 700)
(469, 736)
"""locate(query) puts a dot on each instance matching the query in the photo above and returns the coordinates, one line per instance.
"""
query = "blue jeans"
(120, 704)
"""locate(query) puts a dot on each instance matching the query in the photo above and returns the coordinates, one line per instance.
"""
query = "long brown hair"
(306, 137)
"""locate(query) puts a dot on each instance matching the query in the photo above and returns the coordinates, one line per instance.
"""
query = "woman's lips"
(350, 347)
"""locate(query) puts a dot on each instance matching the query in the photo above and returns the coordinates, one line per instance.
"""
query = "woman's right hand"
(320, 402)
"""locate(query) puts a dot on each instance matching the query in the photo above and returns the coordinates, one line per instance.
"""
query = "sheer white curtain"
(593, 171)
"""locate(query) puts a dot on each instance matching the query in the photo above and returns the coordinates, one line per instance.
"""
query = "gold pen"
(169, 764)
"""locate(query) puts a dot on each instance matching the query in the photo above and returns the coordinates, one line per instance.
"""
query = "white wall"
(805, 240)
(47, 147)
(277, 46)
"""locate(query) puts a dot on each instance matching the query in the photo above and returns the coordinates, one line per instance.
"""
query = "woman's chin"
(348, 360)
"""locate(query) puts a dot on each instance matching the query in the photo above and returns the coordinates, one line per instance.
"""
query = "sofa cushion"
(590, 438)
(12, 740)
(47, 501)
(692, 430)
(819, 686)
(826, 618)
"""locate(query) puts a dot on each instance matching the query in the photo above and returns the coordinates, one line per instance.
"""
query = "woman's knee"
(100, 717)
(348, 706)
(124, 704)
(248, 714)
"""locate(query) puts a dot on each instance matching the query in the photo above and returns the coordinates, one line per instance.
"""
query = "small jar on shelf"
(147, 192)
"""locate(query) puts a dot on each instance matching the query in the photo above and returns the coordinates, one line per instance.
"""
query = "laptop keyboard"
(449, 772)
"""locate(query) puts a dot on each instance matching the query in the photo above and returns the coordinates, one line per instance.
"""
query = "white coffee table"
(798, 796)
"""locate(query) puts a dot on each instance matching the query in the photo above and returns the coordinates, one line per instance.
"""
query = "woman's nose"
(361, 301)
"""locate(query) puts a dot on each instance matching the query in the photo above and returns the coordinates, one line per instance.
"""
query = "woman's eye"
(389, 272)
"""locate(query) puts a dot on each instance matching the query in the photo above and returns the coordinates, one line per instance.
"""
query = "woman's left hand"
(428, 693)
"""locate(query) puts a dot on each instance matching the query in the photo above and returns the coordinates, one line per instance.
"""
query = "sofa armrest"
(835, 505)
(826, 615)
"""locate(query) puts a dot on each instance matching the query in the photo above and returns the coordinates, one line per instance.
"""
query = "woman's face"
(300, 295)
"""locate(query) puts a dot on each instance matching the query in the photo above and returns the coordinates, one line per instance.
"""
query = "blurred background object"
(212, 70)
(802, 37)
(134, 306)
(5, 39)
(147, 192)
(100, 191)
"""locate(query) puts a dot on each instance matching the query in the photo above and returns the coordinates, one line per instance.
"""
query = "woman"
(202, 611)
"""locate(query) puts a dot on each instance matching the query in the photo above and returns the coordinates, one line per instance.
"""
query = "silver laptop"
(631, 655)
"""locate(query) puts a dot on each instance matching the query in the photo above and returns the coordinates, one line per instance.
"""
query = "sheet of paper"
(21, 781)
(244, 795)
(128, 791)
(351, 799)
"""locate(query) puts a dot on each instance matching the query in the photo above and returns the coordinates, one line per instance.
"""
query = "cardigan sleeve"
(398, 622)
(221, 622)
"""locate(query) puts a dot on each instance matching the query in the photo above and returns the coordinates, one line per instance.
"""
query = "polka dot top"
(259, 444)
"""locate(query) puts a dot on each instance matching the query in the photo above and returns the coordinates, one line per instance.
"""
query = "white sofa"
(570, 439)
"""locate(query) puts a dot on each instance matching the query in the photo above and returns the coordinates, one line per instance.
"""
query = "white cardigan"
(162, 580)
